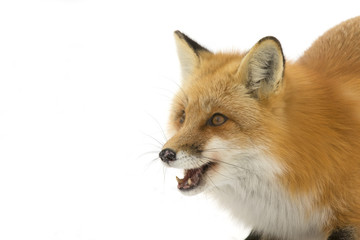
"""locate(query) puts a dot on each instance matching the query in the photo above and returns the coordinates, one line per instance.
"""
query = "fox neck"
(260, 202)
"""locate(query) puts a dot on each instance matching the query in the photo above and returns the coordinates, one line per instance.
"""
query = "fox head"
(218, 120)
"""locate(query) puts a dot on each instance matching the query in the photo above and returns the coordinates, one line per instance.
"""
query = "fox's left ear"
(263, 68)
(190, 53)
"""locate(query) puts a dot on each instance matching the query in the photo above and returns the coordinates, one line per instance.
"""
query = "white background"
(85, 88)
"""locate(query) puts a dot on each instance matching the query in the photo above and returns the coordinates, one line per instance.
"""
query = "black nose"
(167, 155)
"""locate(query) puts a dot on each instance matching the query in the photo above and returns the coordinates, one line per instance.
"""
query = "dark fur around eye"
(182, 117)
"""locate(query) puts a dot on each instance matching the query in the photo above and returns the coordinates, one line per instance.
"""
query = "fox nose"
(167, 155)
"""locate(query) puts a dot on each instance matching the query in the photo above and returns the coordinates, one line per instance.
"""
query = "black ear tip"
(271, 38)
(277, 42)
(191, 43)
(179, 34)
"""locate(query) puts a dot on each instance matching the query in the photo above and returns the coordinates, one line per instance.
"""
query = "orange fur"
(320, 141)
(310, 125)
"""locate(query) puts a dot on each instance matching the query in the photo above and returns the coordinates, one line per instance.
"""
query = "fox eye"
(182, 118)
(217, 119)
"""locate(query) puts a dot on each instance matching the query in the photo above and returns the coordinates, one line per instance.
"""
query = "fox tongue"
(191, 179)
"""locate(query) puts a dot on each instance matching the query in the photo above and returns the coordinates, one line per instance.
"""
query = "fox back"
(276, 143)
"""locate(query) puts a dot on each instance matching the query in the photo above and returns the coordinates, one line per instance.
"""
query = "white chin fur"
(247, 185)
(195, 191)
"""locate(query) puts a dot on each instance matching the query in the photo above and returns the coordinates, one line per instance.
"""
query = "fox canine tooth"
(189, 181)
(178, 179)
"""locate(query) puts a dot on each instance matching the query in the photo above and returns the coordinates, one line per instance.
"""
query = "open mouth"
(193, 177)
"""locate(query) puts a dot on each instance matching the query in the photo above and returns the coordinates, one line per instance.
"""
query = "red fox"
(276, 143)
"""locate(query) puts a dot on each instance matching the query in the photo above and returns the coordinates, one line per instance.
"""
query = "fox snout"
(195, 169)
(167, 155)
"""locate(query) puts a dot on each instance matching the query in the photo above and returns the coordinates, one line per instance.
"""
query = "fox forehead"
(215, 84)
(216, 70)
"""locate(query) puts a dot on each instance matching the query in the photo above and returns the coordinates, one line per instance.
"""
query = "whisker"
(164, 173)
(147, 153)
(183, 92)
(176, 95)
(156, 140)
(155, 145)
(154, 160)
(151, 162)
(212, 182)
(220, 161)
(222, 174)
(159, 125)
(215, 149)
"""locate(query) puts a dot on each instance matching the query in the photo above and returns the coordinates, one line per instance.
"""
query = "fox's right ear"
(189, 52)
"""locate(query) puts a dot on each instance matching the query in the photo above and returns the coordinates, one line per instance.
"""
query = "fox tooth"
(189, 181)
(178, 179)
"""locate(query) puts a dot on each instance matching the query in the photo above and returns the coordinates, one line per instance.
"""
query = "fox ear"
(189, 52)
(263, 68)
